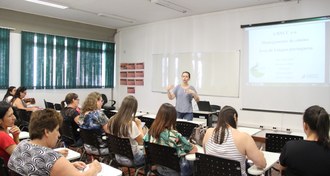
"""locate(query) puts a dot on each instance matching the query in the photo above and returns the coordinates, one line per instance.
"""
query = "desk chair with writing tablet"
(23, 118)
(148, 121)
(122, 146)
(208, 165)
(185, 128)
(95, 139)
(275, 142)
(161, 155)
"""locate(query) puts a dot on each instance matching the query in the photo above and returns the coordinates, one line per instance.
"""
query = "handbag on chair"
(198, 134)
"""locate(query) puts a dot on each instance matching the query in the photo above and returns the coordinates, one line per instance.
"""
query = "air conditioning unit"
(170, 5)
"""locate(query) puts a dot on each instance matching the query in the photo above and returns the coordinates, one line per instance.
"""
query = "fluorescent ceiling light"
(170, 5)
(116, 17)
(48, 4)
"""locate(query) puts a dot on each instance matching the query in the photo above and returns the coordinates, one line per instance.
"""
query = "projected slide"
(287, 53)
(286, 65)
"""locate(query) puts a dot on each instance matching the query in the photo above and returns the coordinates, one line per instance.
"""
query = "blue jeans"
(138, 159)
(187, 115)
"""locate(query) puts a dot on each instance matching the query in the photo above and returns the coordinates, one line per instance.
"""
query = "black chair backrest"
(109, 113)
(22, 117)
(148, 121)
(3, 168)
(67, 135)
(215, 108)
(121, 146)
(162, 155)
(105, 99)
(185, 128)
(57, 106)
(49, 104)
(93, 138)
(208, 165)
(275, 142)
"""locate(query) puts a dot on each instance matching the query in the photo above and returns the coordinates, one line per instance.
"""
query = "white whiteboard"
(215, 74)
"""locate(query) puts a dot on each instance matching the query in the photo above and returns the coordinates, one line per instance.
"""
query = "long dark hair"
(165, 119)
(4, 106)
(11, 88)
(18, 93)
(317, 119)
(121, 123)
(226, 117)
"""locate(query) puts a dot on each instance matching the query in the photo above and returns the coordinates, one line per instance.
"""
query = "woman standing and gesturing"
(184, 93)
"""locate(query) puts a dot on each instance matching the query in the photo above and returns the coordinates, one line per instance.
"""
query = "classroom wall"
(28, 22)
(214, 32)
(34, 23)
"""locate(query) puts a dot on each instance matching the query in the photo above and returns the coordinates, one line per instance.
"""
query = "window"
(56, 62)
(4, 58)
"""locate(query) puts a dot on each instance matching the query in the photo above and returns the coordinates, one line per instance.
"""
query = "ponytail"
(322, 129)
(226, 117)
(317, 119)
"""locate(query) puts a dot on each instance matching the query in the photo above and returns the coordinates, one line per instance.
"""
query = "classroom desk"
(248, 130)
(271, 159)
(22, 135)
(192, 157)
(72, 155)
(138, 114)
(206, 114)
(107, 170)
(153, 116)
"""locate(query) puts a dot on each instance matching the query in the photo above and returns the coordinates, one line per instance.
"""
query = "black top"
(69, 114)
(305, 158)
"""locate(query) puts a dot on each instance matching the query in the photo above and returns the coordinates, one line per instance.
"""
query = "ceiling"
(137, 11)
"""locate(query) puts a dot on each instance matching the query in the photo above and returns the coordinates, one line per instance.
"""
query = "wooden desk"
(271, 159)
(107, 170)
(72, 155)
(206, 114)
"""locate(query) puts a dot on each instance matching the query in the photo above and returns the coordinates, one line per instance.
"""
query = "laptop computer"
(204, 106)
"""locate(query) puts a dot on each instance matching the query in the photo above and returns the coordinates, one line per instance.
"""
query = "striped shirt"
(226, 150)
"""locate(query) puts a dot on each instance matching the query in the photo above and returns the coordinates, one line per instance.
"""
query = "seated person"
(9, 94)
(310, 156)
(226, 141)
(124, 124)
(71, 118)
(92, 118)
(18, 102)
(43, 160)
(163, 132)
(7, 120)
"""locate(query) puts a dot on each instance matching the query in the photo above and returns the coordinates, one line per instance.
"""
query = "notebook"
(204, 106)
